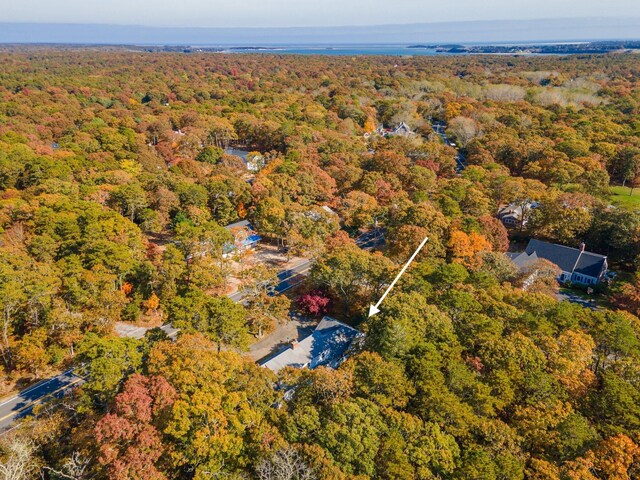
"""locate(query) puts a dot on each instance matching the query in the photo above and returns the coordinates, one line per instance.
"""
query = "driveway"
(577, 299)
(296, 328)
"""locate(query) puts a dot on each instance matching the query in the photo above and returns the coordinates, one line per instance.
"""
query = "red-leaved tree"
(314, 303)
(129, 439)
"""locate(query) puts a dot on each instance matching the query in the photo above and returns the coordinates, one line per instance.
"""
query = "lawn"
(620, 196)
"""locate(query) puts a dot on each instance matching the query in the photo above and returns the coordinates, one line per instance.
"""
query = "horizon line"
(444, 22)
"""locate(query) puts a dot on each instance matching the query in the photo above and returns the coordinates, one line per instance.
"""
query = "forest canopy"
(117, 178)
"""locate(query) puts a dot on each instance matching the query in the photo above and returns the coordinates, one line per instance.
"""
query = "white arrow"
(373, 309)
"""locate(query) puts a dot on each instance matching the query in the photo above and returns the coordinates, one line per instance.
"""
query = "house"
(328, 346)
(511, 216)
(401, 129)
(253, 160)
(577, 265)
(244, 237)
(125, 329)
(329, 210)
(324, 212)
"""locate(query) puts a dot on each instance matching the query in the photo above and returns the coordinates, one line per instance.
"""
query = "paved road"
(287, 279)
(22, 404)
(295, 275)
(461, 162)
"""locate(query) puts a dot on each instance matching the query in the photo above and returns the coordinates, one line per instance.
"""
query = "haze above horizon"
(290, 13)
(465, 32)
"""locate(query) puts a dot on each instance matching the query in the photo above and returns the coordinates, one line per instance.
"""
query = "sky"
(293, 13)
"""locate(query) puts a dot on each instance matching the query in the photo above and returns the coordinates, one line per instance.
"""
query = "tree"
(152, 303)
(350, 272)
(218, 423)
(495, 232)
(520, 192)
(210, 154)
(466, 249)
(405, 240)
(17, 461)
(616, 458)
(352, 433)
(12, 296)
(540, 276)
(130, 199)
(358, 209)
(108, 361)
(264, 309)
(285, 464)
(563, 217)
(626, 165)
(464, 129)
(627, 295)
(499, 265)
(402, 325)
(31, 354)
(269, 216)
(383, 382)
(203, 240)
(314, 303)
(219, 318)
(130, 439)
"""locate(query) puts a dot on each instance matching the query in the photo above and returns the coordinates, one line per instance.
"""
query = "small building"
(244, 237)
(513, 215)
(127, 330)
(254, 161)
(402, 130)
(329, 210)
(327, 346)
(577, 265)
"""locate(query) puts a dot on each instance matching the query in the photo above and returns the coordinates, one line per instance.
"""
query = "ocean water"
(347, 50)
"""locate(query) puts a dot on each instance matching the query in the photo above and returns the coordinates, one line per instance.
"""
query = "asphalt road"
(22, 404)
(461, 162)
(295, 275)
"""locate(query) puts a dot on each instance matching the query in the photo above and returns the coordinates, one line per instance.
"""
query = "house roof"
(515, 210)
(328, 209)
(590, 264)
(326, 346)
(240, 224)
(524, 259)
(402, 127)
(567, 258)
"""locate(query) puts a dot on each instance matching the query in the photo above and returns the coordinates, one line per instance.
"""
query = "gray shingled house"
(328, 346)
(577, 265)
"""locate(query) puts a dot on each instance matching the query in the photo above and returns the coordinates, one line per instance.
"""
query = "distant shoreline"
(408, 50)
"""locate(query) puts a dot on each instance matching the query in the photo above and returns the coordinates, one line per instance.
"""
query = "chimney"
(582, 247)
(294, 344)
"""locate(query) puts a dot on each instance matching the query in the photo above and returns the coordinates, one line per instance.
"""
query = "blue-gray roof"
(523, 260)
(326, 346)
(567, 258)
(591, 264)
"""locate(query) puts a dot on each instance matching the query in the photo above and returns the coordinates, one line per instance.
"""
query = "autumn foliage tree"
(465, 248)
(314, 302)
(130, 439)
